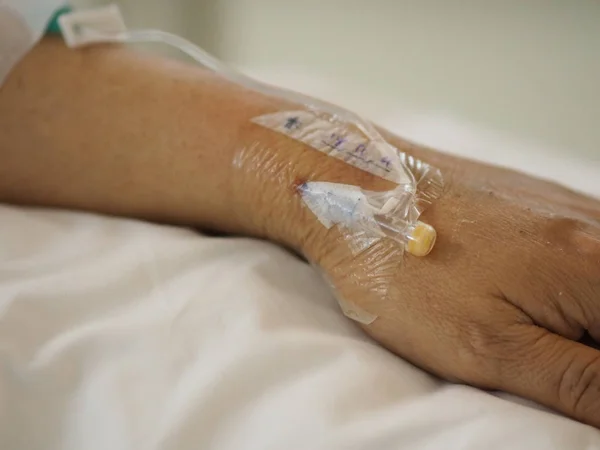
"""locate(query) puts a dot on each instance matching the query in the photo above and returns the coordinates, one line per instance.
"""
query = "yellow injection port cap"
(421, 240)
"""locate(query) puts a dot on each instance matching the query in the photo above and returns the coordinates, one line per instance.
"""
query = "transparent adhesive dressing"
(341, 134)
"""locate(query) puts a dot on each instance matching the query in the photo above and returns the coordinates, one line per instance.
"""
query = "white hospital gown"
(22, 24)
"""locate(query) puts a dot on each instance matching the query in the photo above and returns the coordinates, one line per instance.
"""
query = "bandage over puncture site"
(393, 214)
(336, 139)
(364, 217)
(340, 140)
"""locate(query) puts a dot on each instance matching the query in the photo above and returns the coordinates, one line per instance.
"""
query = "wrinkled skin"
(512, 283)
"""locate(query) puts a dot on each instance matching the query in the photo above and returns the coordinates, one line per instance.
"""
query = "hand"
(512, 283)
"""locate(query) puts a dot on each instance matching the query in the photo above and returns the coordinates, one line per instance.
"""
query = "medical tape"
(325, 134)
(393, 214)
(364, 216)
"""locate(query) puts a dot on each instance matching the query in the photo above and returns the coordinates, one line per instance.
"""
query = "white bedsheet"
(117, 334)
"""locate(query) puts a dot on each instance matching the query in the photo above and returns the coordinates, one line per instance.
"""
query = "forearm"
(108, 130)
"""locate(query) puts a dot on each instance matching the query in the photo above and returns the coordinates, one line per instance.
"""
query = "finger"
(556, 372)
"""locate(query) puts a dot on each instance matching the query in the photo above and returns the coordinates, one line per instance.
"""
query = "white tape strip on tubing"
(338, 141)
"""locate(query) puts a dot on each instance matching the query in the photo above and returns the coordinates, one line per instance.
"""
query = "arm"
(112, 131)
(498, 304)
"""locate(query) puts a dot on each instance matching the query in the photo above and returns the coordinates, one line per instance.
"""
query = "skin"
(511, 286)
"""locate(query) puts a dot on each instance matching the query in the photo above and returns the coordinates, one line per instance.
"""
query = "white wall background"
(527, 67)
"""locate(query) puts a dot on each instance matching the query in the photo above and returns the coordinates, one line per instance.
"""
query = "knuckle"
(579, 387)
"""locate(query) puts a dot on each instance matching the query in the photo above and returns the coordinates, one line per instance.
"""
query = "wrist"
(269, 169)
